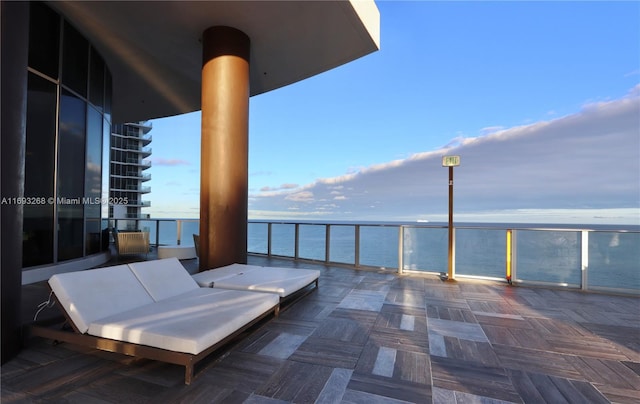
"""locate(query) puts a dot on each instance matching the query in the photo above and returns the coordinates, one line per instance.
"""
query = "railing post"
(514, 255)
(584, 259)
(357, 247)
(327, 243)
(179, 231)
(453, 253)
(157, 233)
(114, 229)
(400, 249)
(508, 258)
(269, 239)
(296, 249)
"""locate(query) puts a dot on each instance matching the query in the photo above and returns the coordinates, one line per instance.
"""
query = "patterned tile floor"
(375, 337)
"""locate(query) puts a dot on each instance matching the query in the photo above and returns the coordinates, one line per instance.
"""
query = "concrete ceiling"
(154, 52)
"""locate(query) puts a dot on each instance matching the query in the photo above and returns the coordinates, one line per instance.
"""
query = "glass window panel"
(96, 80)
(39, 168)
(71, 167)
(93, 236)
(283, 238)
(257, 238)
(426, 249)
(549, 256)
(93, 169)
(342, 244)
(149, 226)
(481, 252)
(312, 241)
(44, 39)
(105, 166)
(614, 260)
(75, 59)
(379, 246)
(107, 94)
(168, 232)
(189, 228)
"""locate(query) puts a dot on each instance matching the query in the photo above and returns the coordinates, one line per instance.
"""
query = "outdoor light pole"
(450, 161)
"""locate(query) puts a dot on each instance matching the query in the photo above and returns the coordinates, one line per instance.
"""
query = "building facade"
(56, 126)
(68, 113)
(128, 157)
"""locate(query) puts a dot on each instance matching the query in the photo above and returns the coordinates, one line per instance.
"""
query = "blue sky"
(540, 99)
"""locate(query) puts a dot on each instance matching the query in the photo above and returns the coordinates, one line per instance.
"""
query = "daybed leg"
(276, 311)
(188, 373)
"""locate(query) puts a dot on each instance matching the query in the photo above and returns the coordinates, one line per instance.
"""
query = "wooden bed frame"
(47, 330)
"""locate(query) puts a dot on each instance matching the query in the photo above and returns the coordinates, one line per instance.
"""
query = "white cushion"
(163, 278)
(189, 323)
(276, 280)
(283, 281)
(97, 293)
(207, 278)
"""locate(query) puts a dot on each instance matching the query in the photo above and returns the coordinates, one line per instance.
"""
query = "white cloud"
(159, 161)
(491, 129)
(303, 196)
(586, 161)
(281, 187)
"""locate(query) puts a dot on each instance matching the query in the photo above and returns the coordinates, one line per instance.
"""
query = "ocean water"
(167, 230)
(541, 253)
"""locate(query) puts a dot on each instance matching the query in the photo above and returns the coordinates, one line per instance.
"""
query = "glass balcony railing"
(588, 259)
(161, 231)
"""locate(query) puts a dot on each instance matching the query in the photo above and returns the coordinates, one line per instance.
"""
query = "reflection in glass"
(39, 169)
(426, 249)
(104, 207)
(96, 80)
(93, 180)
(107, 95)
(75, 60)
(71, 164)
(614, 260)
(44, 38)
(549, 256)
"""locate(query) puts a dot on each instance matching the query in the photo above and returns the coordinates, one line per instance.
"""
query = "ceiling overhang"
(154, 52)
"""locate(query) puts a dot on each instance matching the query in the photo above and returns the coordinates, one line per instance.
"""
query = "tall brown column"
(224, 147)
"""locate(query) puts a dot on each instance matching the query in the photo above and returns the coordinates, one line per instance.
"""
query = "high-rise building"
(129, 152)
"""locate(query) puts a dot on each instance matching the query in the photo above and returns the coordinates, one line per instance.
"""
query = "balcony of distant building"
(133, 148)
(133, 187)
(138, 203)
(134, 131)
(132, 161)
(133, 175)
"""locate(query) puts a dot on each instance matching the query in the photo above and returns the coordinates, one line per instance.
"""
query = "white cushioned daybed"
(286, 282)
(153, 309)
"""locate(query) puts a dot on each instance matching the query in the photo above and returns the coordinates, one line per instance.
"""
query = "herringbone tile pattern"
(375, 337)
